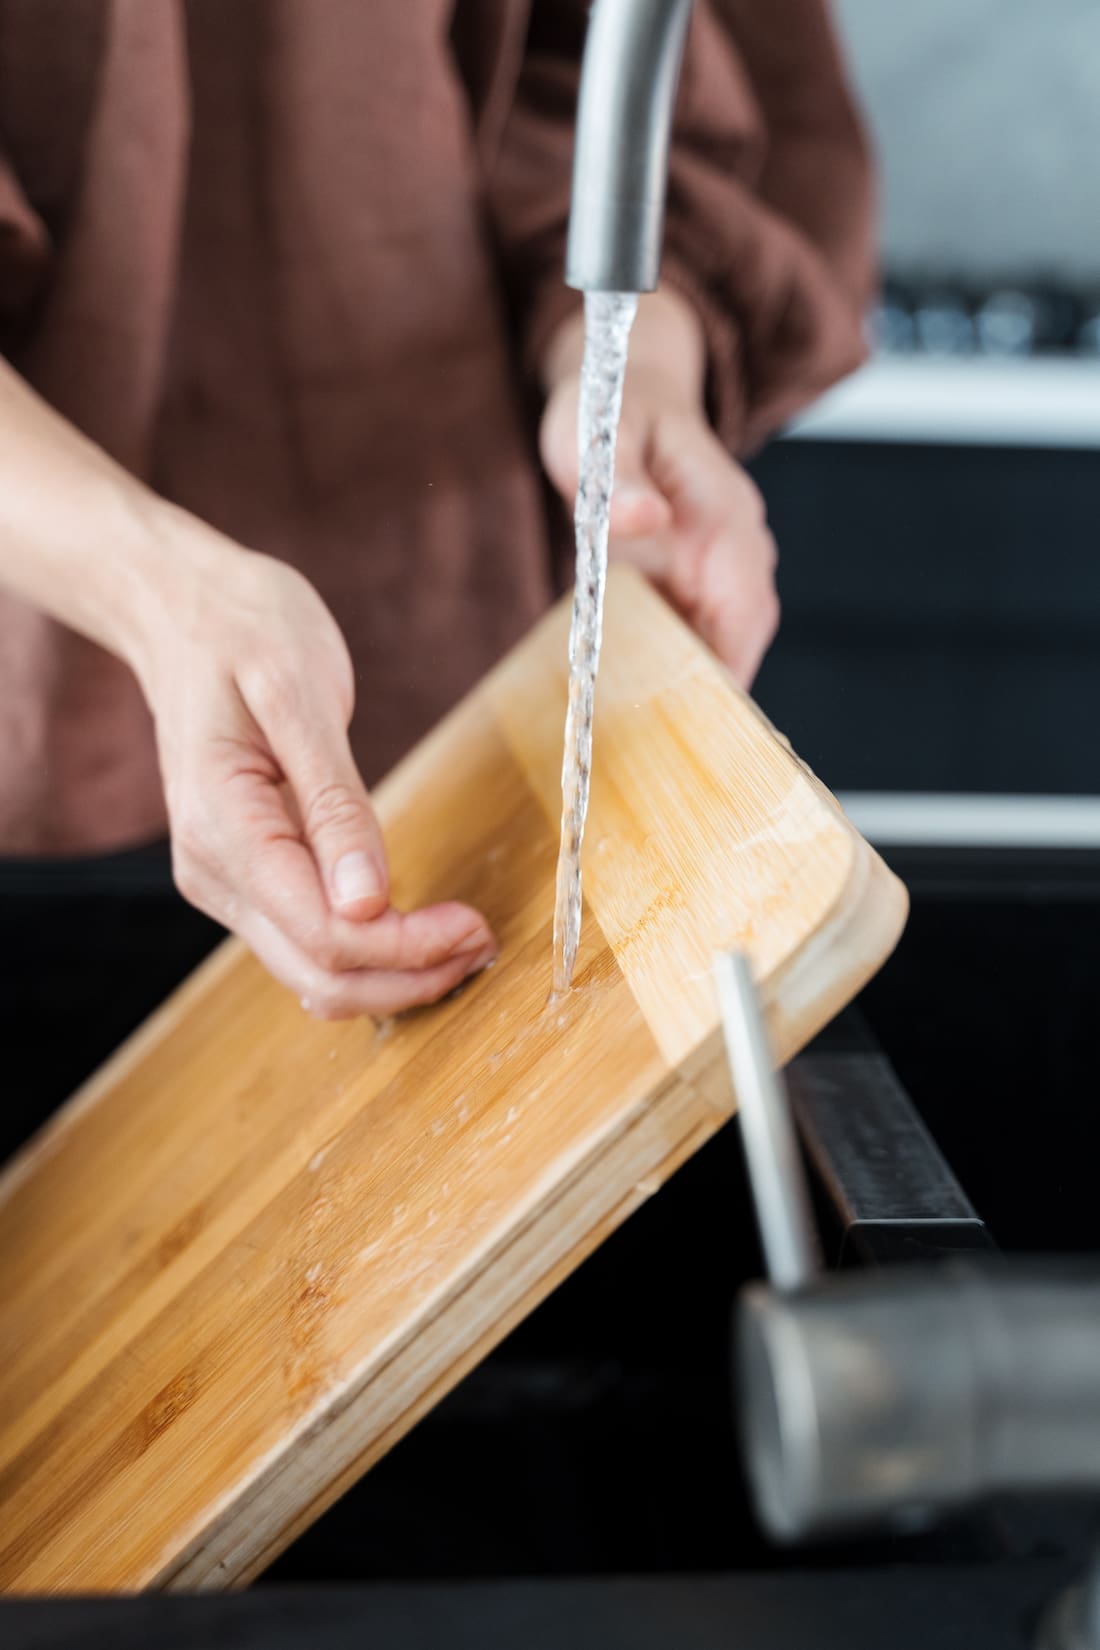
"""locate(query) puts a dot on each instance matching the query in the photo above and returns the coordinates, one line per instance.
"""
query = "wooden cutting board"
(255, 1249)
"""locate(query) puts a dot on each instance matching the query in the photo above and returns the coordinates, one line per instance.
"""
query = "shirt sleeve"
(768, 228)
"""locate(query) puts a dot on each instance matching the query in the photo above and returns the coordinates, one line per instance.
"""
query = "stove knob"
(944, 325)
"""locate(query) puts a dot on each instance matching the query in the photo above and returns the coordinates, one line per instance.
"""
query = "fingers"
(246, 855)
(716, 559)
(260, 856)
(379, 992)
(236, 848)
(342, 968)
(273, 833)
(309, 741)
(736, 605)
(638, 507)
(342, 832)
(739, 617)
(558, 439)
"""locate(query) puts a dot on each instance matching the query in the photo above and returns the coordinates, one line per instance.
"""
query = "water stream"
(607, 321)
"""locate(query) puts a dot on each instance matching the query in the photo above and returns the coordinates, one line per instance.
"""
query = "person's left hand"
(683, 511)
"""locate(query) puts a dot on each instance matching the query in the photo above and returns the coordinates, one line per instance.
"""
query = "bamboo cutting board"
(254, 1249)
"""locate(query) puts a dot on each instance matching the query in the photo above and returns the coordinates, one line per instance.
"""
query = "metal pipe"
(620, 161)
(779, 1189)
(891, 1396)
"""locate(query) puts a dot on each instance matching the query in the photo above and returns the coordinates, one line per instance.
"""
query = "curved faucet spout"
(620, 162)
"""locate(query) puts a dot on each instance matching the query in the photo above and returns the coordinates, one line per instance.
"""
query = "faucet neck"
(620, 163)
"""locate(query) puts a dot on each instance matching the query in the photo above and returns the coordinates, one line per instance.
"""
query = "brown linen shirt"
(292, 261)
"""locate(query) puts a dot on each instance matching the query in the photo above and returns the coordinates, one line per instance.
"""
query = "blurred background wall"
(938, 516)
(986, 115)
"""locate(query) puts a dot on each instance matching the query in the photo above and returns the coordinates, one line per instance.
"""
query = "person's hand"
(273, 834)
(683, 511)
(251, 691)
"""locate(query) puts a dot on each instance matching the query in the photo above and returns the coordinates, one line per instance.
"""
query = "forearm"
(80, 537)
(666, 348)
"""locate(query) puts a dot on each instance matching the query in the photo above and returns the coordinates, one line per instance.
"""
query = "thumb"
(338, 821)
(638, 507)
(558, 439)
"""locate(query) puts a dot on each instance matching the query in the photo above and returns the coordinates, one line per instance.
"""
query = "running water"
(607, 321)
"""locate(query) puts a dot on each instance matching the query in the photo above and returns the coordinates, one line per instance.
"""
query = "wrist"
(89, 544)
(163, 579)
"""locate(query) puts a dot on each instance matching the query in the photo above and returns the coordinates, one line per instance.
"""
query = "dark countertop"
(989, 1607)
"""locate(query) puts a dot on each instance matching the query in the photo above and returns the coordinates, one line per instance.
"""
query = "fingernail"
(479, 940)
(356, 877)
(479, 959)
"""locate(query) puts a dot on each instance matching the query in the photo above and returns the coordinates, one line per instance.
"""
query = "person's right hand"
(273, 834)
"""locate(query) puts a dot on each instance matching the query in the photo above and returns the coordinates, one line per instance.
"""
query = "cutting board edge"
(543, 1234)
(864, 927)
(795, 1013)
(703, 1084)
(793, 1017)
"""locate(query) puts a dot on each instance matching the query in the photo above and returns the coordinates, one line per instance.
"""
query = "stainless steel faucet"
(620, 162)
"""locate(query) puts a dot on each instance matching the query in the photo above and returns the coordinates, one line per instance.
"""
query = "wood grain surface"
(254, 1249)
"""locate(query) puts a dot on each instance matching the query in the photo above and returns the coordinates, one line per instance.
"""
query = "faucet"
(620, 162)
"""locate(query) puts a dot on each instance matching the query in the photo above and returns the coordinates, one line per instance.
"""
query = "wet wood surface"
(255, 1248)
